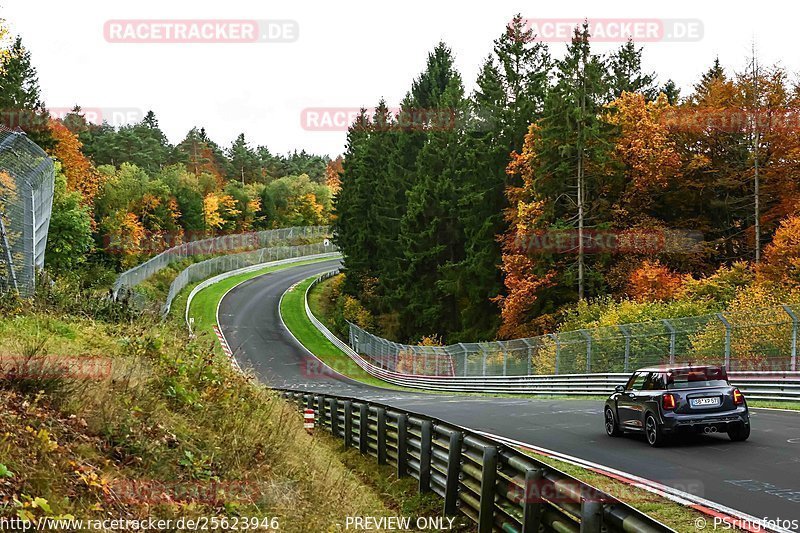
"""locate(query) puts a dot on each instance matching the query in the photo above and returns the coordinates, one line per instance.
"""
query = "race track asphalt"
(760, 477)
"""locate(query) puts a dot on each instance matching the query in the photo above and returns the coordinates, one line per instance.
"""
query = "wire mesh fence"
(756, 340)
(26, 202)
(227, 263)
(214, 245)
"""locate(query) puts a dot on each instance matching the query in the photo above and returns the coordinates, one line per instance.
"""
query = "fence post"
(402, 445)
(624, 330)
(425, 449)
(793, 363)
(381, 436)
(727, 325)
(483, 351)
(348, 423)
(588, 337)
(671, 329)
(465, 357)
(488, 481)
(505, 358)
(529, 349)
(363, 428)
(532, 502)
(453, 469)
(554, 336)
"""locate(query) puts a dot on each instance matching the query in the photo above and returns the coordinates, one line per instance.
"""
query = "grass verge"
(204, 305)
(674, 515)
(294, 316)
(162, 428)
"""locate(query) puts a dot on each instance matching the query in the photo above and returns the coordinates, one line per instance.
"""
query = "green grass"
(674, 515)
(294, 316)
(767, 404)
(204, 304)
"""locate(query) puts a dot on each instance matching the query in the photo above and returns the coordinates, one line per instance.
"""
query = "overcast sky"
(347, 54)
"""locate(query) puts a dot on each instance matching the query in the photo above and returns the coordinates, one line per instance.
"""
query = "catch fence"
(26, 201)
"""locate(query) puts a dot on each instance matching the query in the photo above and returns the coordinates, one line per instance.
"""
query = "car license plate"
(704, 402)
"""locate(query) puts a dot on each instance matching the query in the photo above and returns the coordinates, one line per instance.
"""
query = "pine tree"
(575, 151)
(352, 230)
(512, 86)
(244, 165)
(625, 71)
(21, 104)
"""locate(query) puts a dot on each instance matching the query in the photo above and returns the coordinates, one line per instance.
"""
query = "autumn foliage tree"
(652, 281)
(81, 174)
(782, 257)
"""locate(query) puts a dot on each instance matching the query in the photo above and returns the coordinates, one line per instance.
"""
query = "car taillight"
(738, 397)
(668, 401)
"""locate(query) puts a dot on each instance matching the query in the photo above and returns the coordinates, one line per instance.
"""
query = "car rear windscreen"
(697, 377)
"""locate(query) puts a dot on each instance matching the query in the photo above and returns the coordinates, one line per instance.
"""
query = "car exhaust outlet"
(709, 429)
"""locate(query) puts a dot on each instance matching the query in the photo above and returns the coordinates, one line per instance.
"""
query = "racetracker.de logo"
(201, 31)
(617, 30)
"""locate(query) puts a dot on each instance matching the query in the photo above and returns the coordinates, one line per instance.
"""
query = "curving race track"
(758, 477)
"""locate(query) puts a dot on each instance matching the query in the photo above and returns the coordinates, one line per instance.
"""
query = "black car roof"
(676, 367)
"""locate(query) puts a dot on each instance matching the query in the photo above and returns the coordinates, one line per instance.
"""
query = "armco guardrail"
(252, 268)
(778, 386)
(225, 263)
(214, 245)
(497, 487)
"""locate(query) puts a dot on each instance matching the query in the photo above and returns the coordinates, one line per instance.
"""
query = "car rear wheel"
(611, 424)
(652, 430)
(739, 432)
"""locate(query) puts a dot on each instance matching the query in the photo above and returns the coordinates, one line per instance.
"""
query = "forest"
(570, 189)
(125, 193)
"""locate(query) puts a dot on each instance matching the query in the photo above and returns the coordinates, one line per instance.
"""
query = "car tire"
(652, 432)
(739, 432)
(612, 428)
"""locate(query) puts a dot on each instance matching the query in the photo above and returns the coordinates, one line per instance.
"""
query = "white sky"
(348, 54)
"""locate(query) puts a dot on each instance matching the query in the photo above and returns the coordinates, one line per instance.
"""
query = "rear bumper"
(675, 423)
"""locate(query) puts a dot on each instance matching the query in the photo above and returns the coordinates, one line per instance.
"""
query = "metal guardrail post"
(348, 423)
(627, 360)
(532, 503)
(793, 362)
(453, 469)
(425, 452)
(671, 329)
(591, 512)
(321, 410)
(402, 445)
(381, 436)
(588, 337)
(727, 340)
(333, 405)
(488, 482)
(363, 428)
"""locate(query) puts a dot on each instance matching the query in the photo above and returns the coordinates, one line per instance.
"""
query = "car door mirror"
(619, 388)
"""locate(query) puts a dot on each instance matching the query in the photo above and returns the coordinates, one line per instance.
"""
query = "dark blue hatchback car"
(664, 401)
